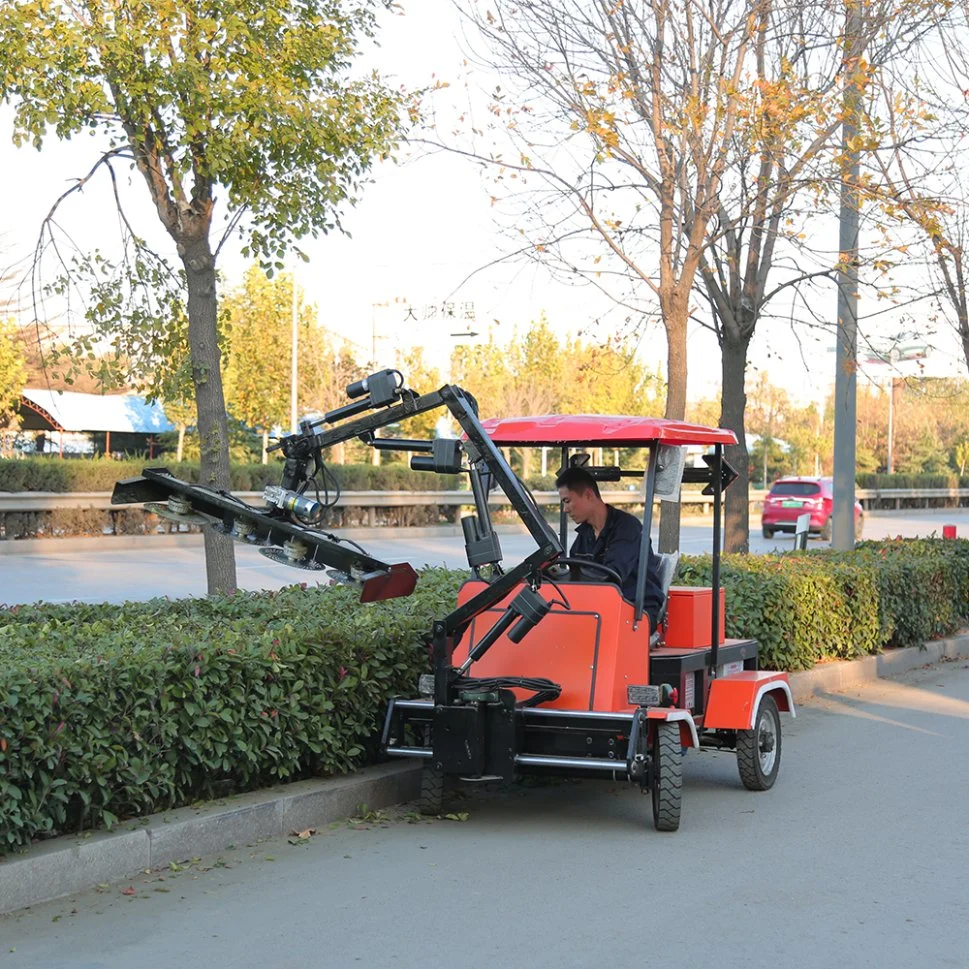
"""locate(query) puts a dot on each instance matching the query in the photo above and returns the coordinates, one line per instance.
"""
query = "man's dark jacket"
(618, 547)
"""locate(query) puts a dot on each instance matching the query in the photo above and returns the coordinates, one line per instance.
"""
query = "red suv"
(790, 498)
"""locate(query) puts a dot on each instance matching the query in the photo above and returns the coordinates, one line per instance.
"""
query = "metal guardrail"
(39, 501)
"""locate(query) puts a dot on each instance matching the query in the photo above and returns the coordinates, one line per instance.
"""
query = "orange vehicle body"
(598, 651)
(594, 648)
(733, 699)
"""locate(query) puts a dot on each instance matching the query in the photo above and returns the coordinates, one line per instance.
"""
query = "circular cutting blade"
(279, 555)
(182, 518)
(249, 538)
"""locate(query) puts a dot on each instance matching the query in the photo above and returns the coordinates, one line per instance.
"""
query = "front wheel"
(767, 531)
(667, 779)
(759, 750)
(826, 530)
(435, 787)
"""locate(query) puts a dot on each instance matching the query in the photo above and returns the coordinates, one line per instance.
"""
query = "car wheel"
(759, 750)
(767, 531)
(826, 530)
(859, 527)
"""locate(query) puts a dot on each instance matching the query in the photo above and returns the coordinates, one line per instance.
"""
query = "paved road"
(116, 575)
(856, 858)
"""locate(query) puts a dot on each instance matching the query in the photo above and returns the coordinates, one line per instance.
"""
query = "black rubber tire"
(754, 773)
(826, 530)
(859, 527)
(667, 787)
(434, 789)
(767, 531)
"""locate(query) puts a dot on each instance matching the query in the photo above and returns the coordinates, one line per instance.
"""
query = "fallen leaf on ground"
(130, 890)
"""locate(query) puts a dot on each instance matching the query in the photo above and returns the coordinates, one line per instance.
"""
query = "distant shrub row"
(100, 474)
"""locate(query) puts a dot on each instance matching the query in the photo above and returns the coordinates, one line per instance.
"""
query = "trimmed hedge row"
(119, 711)
(114, 712)
(871, 479)
(811, 606)
(100, 474)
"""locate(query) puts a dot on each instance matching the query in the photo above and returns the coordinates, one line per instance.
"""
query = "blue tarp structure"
(50, 410)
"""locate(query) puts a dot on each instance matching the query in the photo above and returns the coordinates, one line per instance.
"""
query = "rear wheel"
(759, 750)
(826, 530)
(767, 531)
(667, 780)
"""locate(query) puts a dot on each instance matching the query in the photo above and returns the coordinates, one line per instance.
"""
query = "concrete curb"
(839, 677)
(66, 865)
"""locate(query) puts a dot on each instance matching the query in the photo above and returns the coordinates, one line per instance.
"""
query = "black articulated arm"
(286, 528)
(303, 546)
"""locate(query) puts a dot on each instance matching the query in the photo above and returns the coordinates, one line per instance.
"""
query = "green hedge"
(807, 607)
(871, 479)
(100, 474)
(118, 711)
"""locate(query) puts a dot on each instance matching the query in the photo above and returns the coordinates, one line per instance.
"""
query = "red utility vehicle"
(624, 700)
(531, 671)
(789, 498)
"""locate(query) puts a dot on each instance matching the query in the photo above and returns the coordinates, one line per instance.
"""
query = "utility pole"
(294, 368)
(845, 385)
(890, 464)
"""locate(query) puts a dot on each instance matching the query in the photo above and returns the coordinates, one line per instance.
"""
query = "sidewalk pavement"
(70, 864)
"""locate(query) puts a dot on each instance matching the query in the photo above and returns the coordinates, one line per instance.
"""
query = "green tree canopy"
(237, 101)
(13, 372)
(258, 320)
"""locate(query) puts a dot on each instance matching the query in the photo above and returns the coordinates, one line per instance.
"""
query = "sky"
(418, 240)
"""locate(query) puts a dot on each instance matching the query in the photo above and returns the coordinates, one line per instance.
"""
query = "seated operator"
(608, 536)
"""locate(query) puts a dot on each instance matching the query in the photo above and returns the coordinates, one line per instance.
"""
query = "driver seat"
(668, 563)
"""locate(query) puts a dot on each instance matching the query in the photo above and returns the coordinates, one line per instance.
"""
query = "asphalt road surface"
(857, 858)
(102, 573)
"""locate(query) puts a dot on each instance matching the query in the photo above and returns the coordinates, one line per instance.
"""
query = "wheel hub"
(766, 743)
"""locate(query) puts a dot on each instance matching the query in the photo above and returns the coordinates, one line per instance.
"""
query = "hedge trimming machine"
(544, 667)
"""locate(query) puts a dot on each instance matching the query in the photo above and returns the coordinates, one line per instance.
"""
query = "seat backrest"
(668, 562)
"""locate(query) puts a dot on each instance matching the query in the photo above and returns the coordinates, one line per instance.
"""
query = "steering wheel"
(606, 570)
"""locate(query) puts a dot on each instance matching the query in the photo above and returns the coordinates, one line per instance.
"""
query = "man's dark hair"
(577, 480)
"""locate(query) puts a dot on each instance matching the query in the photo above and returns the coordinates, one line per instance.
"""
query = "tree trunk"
(265, 445)
(526, 463)
(964, 333)
(180, 450)
(199, 263)
(675, 321)
(733, 403)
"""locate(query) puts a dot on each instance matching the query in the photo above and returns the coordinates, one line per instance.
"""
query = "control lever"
(528, 608)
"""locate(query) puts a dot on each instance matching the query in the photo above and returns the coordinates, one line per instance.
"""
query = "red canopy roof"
(600, 430)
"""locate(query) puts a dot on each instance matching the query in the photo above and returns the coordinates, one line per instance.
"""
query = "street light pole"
(889, 464)
(294, 367)
(845, 385)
